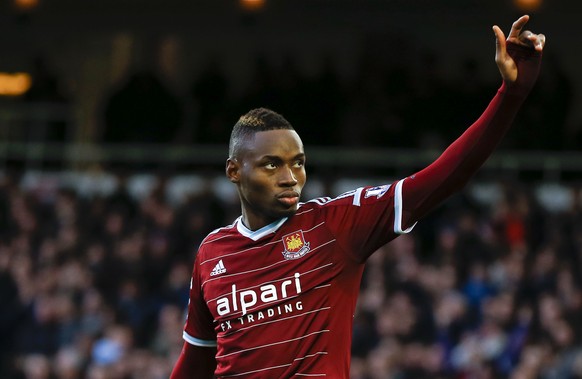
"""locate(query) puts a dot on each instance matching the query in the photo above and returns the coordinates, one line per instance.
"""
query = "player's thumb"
(500, 47)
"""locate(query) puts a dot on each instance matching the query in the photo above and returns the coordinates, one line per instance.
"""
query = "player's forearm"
(451, 171)
(195, 362)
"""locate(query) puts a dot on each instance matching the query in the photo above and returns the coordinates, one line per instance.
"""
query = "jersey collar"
(259, 233)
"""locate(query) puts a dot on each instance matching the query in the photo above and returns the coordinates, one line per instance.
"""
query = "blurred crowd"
(97, 286)
(403, 102)
(476, 293)
(410, 100)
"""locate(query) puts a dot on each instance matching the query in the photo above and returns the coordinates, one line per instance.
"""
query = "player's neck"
(253, 224)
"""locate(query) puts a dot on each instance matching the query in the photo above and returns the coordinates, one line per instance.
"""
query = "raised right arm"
(518, 59)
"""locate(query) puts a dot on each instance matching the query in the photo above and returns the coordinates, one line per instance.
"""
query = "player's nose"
(287, 177)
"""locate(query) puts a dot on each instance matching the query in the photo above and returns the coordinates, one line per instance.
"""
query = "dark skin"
(269, 172)
(269, 169)
(505, 63)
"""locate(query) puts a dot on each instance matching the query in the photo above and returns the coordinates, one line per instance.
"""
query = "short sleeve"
(199, 330)
(367, 218)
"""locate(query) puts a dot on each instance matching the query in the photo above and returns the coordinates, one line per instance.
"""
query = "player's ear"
(233, 170)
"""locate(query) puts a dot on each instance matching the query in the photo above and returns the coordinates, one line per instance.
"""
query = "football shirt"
(279, 302)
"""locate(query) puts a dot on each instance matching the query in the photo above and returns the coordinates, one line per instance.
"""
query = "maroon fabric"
(195, 362)
(426, 189)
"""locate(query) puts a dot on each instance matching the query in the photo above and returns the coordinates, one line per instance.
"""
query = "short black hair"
(255, 120)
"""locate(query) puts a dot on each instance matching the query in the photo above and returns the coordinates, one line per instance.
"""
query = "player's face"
(270, 175)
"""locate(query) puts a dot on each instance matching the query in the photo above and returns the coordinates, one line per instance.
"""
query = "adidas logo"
(218, 269)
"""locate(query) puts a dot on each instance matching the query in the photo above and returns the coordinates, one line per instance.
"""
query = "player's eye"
(298, 164)
(270, 166)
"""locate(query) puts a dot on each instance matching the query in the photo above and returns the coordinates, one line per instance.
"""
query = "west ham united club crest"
(295, 245)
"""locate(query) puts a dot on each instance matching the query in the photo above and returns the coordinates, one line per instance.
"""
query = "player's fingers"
(541, 43)
(517, 26)
(527, 38)
(538, 41)
(500, 46)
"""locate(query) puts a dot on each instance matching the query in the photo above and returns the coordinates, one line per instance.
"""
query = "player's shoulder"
(322, 202)
(351, 197)
(220, 234)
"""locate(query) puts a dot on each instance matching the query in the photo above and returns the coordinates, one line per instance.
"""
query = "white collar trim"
(259, 233)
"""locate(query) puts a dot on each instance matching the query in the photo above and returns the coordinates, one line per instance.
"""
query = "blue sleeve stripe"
(197, 342)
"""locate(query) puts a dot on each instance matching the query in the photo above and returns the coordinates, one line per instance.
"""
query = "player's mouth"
(288, 198)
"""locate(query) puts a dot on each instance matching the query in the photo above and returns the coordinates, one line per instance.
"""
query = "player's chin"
(287, 211)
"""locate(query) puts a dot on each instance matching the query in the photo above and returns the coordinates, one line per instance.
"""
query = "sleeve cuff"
(398, 210)
(197, 341)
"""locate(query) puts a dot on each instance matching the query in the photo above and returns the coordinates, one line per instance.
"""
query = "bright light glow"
(252, 5)
(14, 84)
(528, 5)
(26, 4)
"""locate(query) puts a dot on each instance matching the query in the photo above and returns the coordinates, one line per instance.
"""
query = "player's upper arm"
(195, 362)
(367, 218)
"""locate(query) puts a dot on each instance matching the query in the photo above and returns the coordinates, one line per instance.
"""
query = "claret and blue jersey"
(278, 302)
(265, 297)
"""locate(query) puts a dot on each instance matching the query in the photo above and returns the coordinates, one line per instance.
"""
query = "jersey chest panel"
(291, 272)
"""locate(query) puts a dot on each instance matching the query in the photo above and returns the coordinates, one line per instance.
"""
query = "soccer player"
(273, 295)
